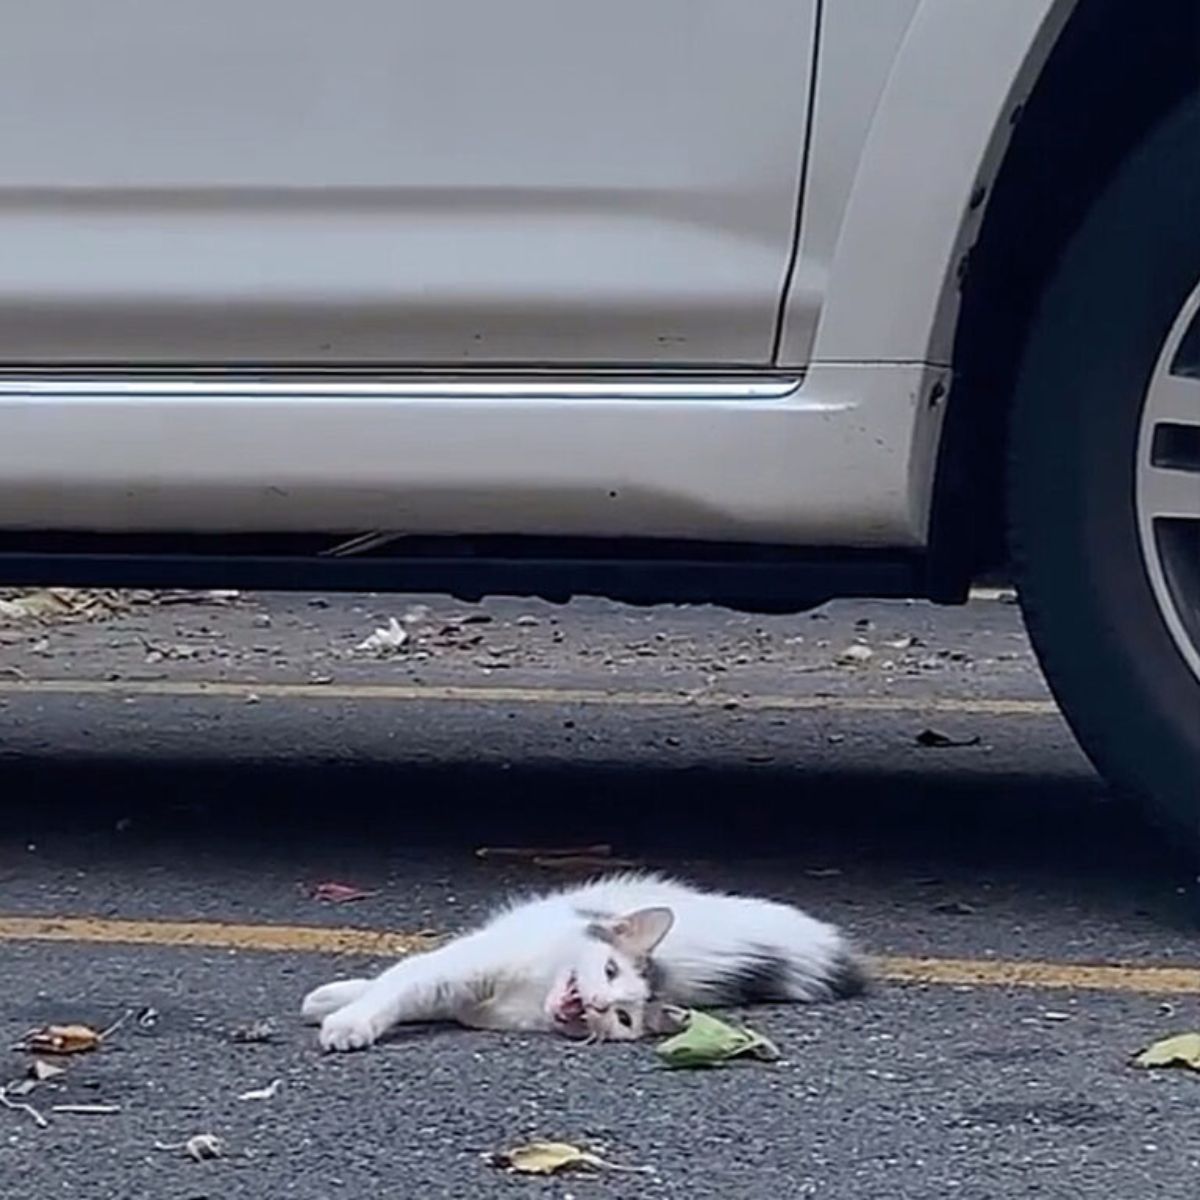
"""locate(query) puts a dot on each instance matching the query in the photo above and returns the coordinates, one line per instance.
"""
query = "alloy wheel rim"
(1167, 482)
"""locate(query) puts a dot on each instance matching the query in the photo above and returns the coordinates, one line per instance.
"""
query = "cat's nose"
(597, 1007)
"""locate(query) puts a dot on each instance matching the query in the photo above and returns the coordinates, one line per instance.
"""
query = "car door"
(399, 182)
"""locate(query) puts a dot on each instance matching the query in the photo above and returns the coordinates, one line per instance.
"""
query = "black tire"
(1120, 678)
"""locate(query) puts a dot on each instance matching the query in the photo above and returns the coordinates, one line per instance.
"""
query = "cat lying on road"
(605, 960)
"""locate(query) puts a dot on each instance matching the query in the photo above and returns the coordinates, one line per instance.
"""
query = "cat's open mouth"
(568, 1011)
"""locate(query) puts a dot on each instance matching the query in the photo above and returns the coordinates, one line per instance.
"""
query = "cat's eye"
(611, 970)
(624, 1018)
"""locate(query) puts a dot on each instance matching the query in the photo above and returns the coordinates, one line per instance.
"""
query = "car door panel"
(433, 182)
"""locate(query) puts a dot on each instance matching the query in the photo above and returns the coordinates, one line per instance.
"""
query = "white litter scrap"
(385, 640)
(856, 655)
(264, 1093)
(201, 1147)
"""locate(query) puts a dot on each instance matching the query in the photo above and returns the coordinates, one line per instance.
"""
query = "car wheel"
(1104, 477)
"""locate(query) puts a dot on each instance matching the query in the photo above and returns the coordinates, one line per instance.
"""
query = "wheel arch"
(1112, 75)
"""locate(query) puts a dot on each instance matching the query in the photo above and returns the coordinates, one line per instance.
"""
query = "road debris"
(582, 862)
(68, 604)
(198, 1148)
(256, 1033)
(24, 1106)
(386, 640)
(855, 656)
(550, 1158)
(41, 1071)
(57, 603)
(934, 738)
(87, 1110)
(706, 1041)
(264, 1093)
(339, 893)
(597, 857)
(529, 853)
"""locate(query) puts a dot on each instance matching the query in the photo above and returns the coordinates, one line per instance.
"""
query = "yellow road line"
(1111, 977)
(216, 935)
(211, 935)
(479, 694)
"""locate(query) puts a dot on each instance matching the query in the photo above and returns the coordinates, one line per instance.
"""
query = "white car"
(756, 302)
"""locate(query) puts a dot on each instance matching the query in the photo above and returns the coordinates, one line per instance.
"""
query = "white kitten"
(601, 961)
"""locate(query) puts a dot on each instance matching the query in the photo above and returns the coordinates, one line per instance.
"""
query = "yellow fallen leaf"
(548, 1158)
(1182, 1050)
(61, 1039)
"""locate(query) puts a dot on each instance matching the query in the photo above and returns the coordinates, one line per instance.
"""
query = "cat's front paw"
(349, 1028)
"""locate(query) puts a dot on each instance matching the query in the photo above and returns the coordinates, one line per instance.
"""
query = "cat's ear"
(638, 933)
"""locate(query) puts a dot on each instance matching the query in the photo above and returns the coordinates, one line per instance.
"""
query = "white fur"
(516, 971)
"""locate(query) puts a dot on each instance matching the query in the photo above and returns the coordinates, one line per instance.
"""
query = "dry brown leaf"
(61, 1039)
(339, 893)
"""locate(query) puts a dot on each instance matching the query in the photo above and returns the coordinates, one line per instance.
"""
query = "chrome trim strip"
(411, 389)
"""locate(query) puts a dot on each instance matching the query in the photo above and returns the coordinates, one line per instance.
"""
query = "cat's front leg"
(426, 987)
(355, 1026)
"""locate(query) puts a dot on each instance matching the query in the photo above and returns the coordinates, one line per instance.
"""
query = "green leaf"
(1182, 1050)
(708, 1042)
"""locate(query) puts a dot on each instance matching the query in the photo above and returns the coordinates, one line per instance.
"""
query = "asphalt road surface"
(179, 773)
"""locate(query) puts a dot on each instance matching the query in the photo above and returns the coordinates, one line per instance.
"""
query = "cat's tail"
(847, 973)
(763, 953)
(322, 1001)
